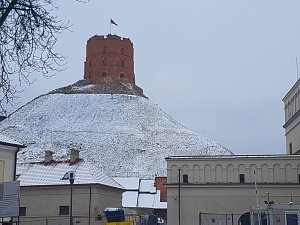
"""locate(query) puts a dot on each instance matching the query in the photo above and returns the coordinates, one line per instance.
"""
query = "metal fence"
(253, 218)
(134, 219)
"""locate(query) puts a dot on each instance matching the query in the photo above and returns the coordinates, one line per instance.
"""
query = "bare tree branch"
(28, 34)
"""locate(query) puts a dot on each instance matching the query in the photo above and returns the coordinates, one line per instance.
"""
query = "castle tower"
(109, 59)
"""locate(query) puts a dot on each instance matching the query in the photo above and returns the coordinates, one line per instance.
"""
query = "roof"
(10, 142)
(140, 193)
(40, 174)
(209, 157)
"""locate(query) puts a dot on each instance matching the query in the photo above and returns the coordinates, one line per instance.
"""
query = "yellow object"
(119, 223)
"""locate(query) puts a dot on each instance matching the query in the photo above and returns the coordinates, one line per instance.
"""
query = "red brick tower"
(109, 59)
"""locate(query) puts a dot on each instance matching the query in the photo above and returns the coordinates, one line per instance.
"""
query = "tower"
(292, 119)
(109, 59)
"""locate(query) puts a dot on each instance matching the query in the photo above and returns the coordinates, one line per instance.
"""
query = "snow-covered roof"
(9, 141)
(39, 174)
(140, 193)
(147, 186)
(121, 133)
(151, 201)
(129, 183)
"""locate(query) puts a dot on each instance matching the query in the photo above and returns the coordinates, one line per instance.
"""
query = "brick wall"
(109, 59)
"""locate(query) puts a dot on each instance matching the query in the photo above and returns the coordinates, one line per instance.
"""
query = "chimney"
(74, 155)
(48, 156)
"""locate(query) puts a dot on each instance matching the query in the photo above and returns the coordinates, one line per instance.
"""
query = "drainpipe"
(15, 170)
(90, 204)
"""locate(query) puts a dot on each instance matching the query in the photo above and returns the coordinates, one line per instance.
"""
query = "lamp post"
(179, 193)
(71, 179)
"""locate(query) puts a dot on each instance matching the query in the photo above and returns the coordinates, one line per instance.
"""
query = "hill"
(121, 133)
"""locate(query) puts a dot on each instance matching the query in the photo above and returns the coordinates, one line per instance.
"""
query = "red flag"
(113, 22)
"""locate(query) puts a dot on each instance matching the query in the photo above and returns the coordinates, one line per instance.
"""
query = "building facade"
(204, 186)
(8, 158)
(292, 119)
(46, 191)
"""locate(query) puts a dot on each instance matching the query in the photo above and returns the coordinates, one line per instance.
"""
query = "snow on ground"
(121, 133)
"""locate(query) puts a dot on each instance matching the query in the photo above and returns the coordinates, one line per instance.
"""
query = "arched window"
(122, 75)
(185, 178)
(242, 178)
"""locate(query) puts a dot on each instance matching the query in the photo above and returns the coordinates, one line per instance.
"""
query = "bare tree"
(28, 34)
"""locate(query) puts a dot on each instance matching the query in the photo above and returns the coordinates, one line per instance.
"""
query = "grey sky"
(218, 67)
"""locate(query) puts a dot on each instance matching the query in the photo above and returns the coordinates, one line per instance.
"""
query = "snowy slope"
(121, 133)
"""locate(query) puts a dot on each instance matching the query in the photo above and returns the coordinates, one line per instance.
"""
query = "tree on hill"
(28, 33)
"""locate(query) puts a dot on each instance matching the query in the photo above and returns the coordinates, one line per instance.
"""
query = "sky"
(220, 68)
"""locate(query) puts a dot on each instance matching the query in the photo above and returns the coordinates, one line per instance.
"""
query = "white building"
(202, 188)
(46, 194)
(8, 158)
(292, 119)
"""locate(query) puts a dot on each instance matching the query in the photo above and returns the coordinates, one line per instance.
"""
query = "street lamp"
(71, 179)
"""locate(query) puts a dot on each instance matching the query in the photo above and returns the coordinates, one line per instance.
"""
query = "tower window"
(122, 75)
(242, 178)
(185, 178)
(122, 62)
(104, 49)
(122, 51)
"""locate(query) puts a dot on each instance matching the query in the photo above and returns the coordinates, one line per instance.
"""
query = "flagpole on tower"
(110, 23)
(110, 26)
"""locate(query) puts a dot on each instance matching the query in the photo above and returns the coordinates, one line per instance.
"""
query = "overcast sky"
(219, 67)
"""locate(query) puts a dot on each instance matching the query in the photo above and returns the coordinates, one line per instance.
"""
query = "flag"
(113, 22)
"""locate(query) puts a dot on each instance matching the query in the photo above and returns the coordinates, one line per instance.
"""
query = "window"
(122, 63)
(291, 148)
(299, 178)
(185, 178)
(242, 178)
(64, 210)
(122, 51)
(22, 211)
(104, 49)
(122, 75)
(104, 74)
(104, 61)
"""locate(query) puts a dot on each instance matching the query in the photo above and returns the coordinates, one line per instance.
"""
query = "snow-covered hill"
(122, 133)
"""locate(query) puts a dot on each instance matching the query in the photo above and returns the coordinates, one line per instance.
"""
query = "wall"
(7, 163)
(292, 119)
(214, 185)
(45, 201)
(109, 59)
